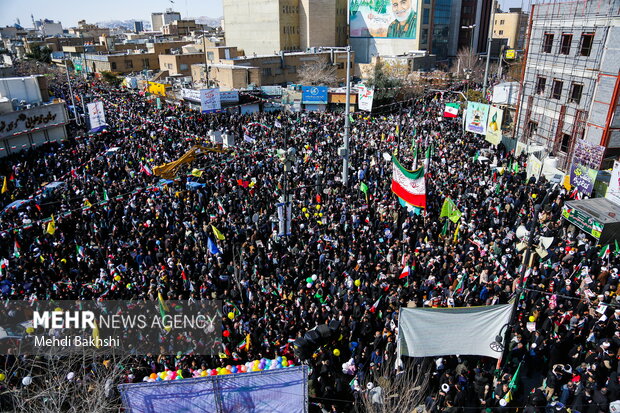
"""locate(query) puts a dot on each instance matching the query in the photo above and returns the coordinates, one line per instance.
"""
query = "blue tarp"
(272, 391)
(195, 185)
(98, 129)
(16, 204)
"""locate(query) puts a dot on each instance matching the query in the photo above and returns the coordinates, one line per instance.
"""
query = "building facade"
(180, 28)
(158, 20)
(277, 69)
(284, 25)
(121, 63)
(511, 26)
(571, 83)
(474, 24)
(180, 64)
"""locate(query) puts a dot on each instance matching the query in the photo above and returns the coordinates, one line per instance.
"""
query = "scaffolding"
(551, 113)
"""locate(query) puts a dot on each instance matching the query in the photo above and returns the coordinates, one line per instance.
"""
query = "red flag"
(404, 273)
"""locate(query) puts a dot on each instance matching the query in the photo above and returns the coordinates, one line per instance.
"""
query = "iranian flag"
(404, 273)
(451, 110)
(409, 186)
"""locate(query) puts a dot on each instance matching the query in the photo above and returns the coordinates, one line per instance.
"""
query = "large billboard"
(314, 95)
(476, 118)
(210, 100)
(586, 161)
(395, 19)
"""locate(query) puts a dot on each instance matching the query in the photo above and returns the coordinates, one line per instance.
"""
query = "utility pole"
(204, 42)
(347, 123)
(71, 93)
(489, 41)
(344, 151)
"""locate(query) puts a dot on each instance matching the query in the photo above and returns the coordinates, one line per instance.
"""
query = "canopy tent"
(598, 217)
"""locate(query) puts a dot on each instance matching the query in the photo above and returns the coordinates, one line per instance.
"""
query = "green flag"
(351, 118)
(476, 156)
(450, 210)
(364, 188)
(617, 248)
(515, 166)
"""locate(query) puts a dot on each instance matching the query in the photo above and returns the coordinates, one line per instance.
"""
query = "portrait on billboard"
(384, 18)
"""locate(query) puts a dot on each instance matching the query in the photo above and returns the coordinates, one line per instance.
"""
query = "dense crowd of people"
(120, 233)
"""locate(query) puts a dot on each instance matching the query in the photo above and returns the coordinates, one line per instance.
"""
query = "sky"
(68, 12)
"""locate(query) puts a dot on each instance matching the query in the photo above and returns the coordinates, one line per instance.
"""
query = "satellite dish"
(387, 156)
(522, 232)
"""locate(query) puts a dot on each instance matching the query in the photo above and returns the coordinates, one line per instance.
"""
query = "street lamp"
(344, 151)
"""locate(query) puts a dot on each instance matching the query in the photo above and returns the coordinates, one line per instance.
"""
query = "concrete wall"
(253, 25)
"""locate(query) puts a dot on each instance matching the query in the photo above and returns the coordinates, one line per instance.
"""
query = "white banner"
(210, 100)
(365, 97)
(96, 114)
(613, 190)
(191, 94)
(429, 332)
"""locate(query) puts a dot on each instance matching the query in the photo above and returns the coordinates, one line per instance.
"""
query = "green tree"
(111, 78)
(386, 86)
(40, 54)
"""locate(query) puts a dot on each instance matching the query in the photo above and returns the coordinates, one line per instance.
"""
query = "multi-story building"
(277, 69)
(475, 19)
(180, 28)
(27, 117)
(445, 29)
(48, 27)
(158, 20)
(571, 81)
(180, 64)
(138, 27)
(121, 63)
(88, 30)
(269, 26)
(511, 26)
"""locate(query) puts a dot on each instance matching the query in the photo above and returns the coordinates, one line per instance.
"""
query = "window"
(113, 65)
(556, 93)
(145, 63)
(565, 142)
(501, 22)
(547, 43)
(575, 93)
(501, 32)
(425, 16)
(266, 71)
(183, 66)
(586, 44)
(532, 127)
(540, 85)
(128, 64)
(210, 56)
(567, 38)
(424, 36)
(467, 10)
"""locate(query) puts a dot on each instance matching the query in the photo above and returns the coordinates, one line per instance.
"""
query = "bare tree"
(318, 72)
(70, 382)
(400, 391)
(468, 62)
